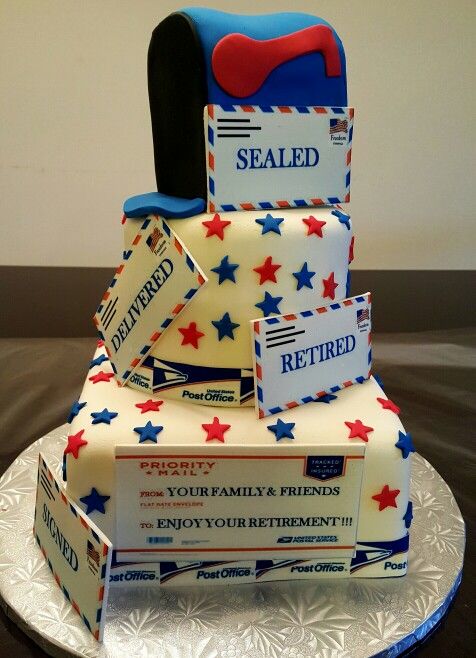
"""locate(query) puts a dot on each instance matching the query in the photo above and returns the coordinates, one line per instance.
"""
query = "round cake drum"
(349, 617)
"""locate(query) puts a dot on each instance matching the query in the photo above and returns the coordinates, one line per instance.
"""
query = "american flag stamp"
(338, 126)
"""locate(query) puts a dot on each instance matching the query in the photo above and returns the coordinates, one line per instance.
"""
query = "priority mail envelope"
(299, 357)
(276, 157)
(76, 551)
(158, 277)
(204, 503)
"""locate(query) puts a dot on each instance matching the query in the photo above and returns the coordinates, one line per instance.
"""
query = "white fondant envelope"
(76, 551)
(274, 157)
(218, 502)
(301, 356)
(158, 277)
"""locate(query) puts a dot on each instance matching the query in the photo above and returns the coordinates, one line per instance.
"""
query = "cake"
(192, 385)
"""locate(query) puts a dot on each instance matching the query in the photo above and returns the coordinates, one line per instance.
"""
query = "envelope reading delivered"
(158, 277)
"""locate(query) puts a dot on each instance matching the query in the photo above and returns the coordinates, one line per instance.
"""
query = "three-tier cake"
(193, 385)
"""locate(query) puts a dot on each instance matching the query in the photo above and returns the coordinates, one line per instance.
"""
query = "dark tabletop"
(430, 375)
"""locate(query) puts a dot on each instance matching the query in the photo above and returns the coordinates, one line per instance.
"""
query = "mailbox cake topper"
(287, 59)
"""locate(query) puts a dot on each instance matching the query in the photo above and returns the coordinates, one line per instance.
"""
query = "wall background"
(76, 139)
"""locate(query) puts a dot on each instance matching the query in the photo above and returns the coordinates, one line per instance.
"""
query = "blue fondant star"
(326, 398)
(104, 416)
(75, 409)
(304, 277)
(405, 444)
(225, 271)
(282, 430)
(148, 432)
(408, 516)
(94, 501)
(225, 327)
(342, 217)
(270, 224)
(98, 360)
(269, 304)
(378, 379)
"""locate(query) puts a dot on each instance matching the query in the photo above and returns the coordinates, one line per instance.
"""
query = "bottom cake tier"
(107, 415)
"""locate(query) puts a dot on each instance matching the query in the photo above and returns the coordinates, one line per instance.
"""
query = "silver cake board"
(347, 618)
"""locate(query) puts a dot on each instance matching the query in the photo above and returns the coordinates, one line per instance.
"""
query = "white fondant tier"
(237, 244)
(316, 424)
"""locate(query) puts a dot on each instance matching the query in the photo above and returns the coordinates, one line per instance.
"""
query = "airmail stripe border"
(173, 312)
(44, 469)
(283, 109)
(279, 203)
(290, 317)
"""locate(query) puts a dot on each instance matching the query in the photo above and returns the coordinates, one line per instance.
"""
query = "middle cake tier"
(258, 263)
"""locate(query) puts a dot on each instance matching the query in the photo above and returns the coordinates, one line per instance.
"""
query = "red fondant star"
(101, 376)
(329, 286)
(216, 226)
(388, 404)
(386, 498)
(267, 270)
(100, 343)
(215, 430)
(351, 250)
(150, 405)
(358, 430)
(191, 335)
(314, 226)
(75, 442)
